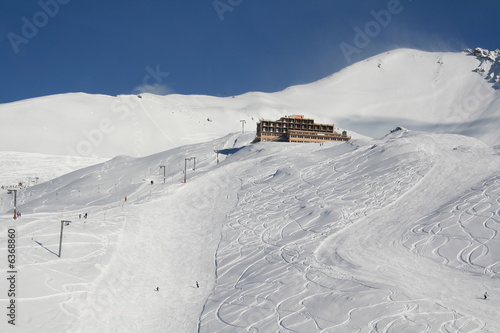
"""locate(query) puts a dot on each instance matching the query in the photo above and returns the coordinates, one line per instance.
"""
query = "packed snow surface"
(397, 233)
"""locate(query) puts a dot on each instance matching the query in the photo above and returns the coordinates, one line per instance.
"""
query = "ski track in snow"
(472, 223)
(281, 238)
(268, 278)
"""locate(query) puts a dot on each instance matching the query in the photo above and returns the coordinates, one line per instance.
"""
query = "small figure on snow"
(486, 295)
(157, 289)
(125, 199)
(85, 216)
(197, 285)
(80, 216)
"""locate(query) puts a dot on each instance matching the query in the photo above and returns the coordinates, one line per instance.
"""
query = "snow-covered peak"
(489, 65)
(485, 54)
(429, 91)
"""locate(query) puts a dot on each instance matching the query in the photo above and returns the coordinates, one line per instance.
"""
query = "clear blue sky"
(218, 47)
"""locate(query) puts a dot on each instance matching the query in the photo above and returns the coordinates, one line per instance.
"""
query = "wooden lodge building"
(296, 128)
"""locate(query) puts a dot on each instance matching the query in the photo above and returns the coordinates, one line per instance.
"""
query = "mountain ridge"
(429, 91)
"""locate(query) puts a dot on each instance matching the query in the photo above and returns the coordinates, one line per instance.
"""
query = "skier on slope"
(486, 295)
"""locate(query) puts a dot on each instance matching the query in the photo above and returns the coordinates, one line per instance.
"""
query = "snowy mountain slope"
(32, 168)
(443, 92)
(397, 234)
(439, 92)
(117, 254)
(272, 275)
(455, 174)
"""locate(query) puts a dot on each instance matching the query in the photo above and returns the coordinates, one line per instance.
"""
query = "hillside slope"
(444, 92)
(394, 234)
(342, 242)
(398, 234)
